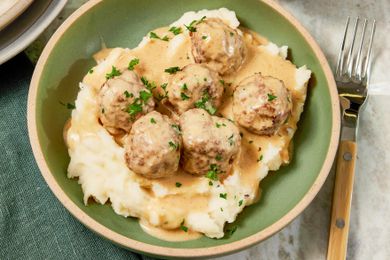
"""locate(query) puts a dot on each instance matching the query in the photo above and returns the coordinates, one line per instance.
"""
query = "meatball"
(218, 45)
(261, 104)
(195, 84)
(210, 143)
(152, 148)
(122, 100)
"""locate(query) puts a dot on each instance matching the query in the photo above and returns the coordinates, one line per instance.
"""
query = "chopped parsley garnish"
(153, 35)
(182, 227)
(204, 79)
(184, 96)
(173, 145)
(271, 97)
(218, 157)
(210, 183)
(212, 173)
(204, 37)
(230, 140)
(223, 195)
(221, 209)
(152, 120)
(218, 125)
(205, 104)
(184, 87)
(148, 85)
(222, 82)
(103, 110)
(260, 158)
(175, 30)
(191, 27)
(231, 231)
(145, 95)
(114, 72)
(172, 70)
(164, 87)
(90, 71)
(177, 128)
(231, 34)
(240, 203)
(127, 94)
(178, 184)
(135, 107)
(132, 64)
(68, 105)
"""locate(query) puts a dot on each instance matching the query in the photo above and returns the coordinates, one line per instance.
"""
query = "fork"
(352, 78)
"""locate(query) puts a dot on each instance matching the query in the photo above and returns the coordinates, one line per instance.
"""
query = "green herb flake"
(223, 195)
(221, 209)
(213, 172)
(178, 184)
(182, 227)
(135, 107)
(205, 79)
(153, 35)
(176, 128)
(218, 125)
(175, 30)
(127, 94)
(90, 71)
(218, 157)
(222, 82)
(231, 231)
(260, 158)
(114, 72)
(191, 26)
(132, 64)
(271, 97)
(172, 70)
(250, 141)
(152, 120)
(210, 183)
(173, 145)
(204, 37)
(184, 96)
(230, 140)
(103, 110)
(231, 34)
(240, 203)
(145, 95)
(184, 87)
(205, 104)
(68, 105)
(149, 85)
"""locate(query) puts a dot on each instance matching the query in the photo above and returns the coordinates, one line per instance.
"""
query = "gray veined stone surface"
(307, 236)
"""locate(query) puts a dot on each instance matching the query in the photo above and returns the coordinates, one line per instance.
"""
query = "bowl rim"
(169, 251)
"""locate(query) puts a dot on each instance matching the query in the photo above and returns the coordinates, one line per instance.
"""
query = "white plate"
(11, 9)
(27, 27)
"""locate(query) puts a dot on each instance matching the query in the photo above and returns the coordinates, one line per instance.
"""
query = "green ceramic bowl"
(67, 58)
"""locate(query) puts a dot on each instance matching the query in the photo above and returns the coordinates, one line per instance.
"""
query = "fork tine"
(359, 60)
(350, 58)
(367, 67)
(340, 59)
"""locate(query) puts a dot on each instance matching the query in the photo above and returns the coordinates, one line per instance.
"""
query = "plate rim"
(14, 12)
(32, 32)
(138, 246)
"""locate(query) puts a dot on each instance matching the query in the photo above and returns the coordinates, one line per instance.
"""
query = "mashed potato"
(97, 160)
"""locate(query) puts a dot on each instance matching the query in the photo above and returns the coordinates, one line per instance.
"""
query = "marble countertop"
(306, 237)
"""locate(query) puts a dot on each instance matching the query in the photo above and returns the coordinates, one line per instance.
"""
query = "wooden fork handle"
(342, 196)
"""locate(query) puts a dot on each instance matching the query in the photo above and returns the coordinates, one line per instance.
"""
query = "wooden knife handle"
(342, 196)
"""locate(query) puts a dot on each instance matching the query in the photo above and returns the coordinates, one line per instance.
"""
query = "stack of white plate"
(22, 21)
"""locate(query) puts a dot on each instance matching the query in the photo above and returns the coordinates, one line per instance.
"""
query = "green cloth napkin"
(33, 223)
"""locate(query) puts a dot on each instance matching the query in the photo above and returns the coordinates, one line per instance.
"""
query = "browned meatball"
(122, 100)
(209, 142)
(193, 84)
(261, 104)
(218, 45)
(153, 146)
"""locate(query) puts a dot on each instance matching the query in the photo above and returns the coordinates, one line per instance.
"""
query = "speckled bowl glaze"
(68, 57)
